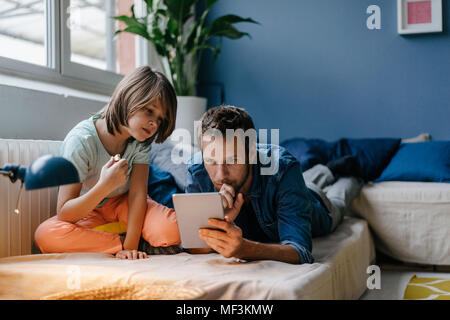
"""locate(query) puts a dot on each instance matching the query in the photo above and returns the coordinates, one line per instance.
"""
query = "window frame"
(60, 69)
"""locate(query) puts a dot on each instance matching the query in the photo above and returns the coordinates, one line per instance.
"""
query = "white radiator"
(17, 230)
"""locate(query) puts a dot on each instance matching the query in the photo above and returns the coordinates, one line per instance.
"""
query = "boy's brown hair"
(136, 91)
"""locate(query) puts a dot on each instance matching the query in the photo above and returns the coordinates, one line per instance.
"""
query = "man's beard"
(238, 185)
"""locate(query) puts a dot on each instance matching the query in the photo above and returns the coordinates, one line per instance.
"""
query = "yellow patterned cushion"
(113, 227)
(427, 289)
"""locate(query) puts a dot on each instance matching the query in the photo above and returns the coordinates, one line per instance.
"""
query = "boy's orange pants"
(160, 229)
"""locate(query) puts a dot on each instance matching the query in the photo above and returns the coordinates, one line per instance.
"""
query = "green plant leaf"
(218, 49)
(180, 9)
(192, 35)
(202, 47)
(164, 26)
(222, 26)
(159, 47)
(232, 18)
(139, 30)
(161, 12)
(149, 4)
(210, 3)
(157, 34)
(132, 11)
(171, 31)
(116, 33)
(129, 21)
(227, 30)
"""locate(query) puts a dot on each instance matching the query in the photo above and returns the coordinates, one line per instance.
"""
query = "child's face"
(145, 122)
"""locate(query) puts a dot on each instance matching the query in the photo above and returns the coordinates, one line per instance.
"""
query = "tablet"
(193, 211)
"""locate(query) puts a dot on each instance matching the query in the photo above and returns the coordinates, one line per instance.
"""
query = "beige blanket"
(339, 272)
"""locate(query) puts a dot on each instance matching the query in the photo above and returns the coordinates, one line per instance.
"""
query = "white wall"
(34, 114)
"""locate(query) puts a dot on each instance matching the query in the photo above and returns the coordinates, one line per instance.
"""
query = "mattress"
(339, 272)
(410, 221)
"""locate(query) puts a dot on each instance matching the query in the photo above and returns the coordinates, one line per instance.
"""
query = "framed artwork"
(419, 16)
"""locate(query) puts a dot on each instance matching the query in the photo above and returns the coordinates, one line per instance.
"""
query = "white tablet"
(193, 211)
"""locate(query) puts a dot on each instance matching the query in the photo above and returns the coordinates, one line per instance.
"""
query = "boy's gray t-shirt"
(82, 146)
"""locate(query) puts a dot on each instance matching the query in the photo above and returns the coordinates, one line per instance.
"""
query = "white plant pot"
(189, 109)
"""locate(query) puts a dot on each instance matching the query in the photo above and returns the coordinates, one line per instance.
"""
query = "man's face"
(224, 162)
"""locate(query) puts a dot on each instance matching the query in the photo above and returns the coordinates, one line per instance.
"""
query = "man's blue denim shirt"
(286, 209)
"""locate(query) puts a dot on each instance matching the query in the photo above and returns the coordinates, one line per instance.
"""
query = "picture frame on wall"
(419, 16)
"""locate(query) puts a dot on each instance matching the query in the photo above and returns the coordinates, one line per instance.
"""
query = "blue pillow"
(161, 186)
(309, 152)
(421, 161)
(373, 154)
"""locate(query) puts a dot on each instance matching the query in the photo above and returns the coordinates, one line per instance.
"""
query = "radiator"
(17, 230)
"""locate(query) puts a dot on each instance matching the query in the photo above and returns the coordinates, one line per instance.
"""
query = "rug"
(427, 289)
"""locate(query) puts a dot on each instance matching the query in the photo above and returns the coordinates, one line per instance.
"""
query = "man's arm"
(228, 241)
(267, 251)
(294, 210)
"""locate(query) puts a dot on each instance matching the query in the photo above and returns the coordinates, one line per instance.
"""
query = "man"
(268, 216)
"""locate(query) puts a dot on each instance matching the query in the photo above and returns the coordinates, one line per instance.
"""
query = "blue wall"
(313, 69)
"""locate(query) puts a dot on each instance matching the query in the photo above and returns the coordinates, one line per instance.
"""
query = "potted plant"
(180, 37)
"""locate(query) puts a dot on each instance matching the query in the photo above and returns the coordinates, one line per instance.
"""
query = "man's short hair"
(227, 117)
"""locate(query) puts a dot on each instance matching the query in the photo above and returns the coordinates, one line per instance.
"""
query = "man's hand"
(227, 193)
(228, 240)
(131, 255)
(232, 207)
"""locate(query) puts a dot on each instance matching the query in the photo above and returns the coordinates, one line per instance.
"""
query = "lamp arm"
(46, 171)
(14, 172)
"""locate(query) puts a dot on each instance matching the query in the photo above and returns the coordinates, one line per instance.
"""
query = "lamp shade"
(49, 171)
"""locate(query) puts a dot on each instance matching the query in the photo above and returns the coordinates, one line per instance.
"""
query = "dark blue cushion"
(373, 154)
(422, 161)
(309, 152)
(161, 186)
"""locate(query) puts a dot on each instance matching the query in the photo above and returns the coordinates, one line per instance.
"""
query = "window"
(91, 36)
(23, 30)
(69, 41)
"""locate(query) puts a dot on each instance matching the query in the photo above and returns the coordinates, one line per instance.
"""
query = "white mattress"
(339, 272)
(410, 220)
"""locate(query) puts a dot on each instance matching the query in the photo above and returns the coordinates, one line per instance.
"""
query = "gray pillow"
(172, 158)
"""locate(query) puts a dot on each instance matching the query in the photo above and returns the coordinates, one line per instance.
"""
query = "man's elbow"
(301, 254)
(294, 257)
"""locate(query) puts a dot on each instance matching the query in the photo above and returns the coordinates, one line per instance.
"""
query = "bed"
(406, 198)
(339, 272)
(410, 221)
